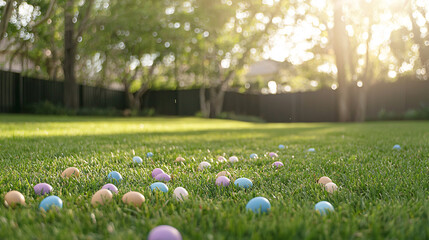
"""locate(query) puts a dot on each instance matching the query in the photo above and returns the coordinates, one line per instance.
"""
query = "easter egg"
(396, 147)
(221, 159)
(258, 205)
(324, 180)
(324, 207)
(179, 159)
(233, 159)
(133, 198)
(273, 155)
(157, 171)
(223, 173)
(110, 187)
(159, 186)
(243, 183)
(42, 188)
(101, 197)
(311, 150)
(203, 165)
(253, 156)
(163, 177)
(222, 181)
(115, 176)
(281, 146)
(70, 172)
(137, 159)
(14, 198)
(180, 194)
(51, 202)
(277, 164)
(164, 232)
(149, 154)
(331, 187)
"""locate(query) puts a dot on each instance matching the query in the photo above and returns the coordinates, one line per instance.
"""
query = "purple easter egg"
(163, 177)
(278, 164)
(222, 181)
(42, 188)
(156, 171)
(110, 187)
(273, 154)
(164, 232)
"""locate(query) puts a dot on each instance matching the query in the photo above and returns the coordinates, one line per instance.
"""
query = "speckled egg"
(133, 198)
(42, 188)
(233, 159)
(221, 159)
(70, 172)
(259, 205)
(149, 154)
(331, 187)
(156, 171)
(222, 181)
(51, 202)
(14, 198)
(223, 173)
(273, 155)
(277, 164)
(254, 156)
(163, 177)
(101, 197)
(324, 180)
(164, 232)
(203, 165)
(115, 176)
(180, 194)
(137, 160)
(324, 207)
(110, 187)
(243, 183)
(179, 159)
(159, 186)
(281, 146)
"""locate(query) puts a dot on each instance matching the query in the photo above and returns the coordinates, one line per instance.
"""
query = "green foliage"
(421, 113)
(237, 117)
(48, 108)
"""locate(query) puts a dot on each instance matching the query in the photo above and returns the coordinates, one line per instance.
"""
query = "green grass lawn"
(384, 193)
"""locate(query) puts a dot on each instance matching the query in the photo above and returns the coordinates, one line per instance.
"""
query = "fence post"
(18, 92)
(80, 96)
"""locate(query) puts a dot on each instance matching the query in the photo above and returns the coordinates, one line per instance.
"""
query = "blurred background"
(252, 60)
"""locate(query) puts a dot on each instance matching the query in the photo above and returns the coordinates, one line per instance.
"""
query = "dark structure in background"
(17, 92)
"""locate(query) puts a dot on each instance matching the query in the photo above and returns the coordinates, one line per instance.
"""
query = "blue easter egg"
(311, 150)
(253, 156)
(50, 202)
(159, 186)
(324, 207)
(115, 176)
(396, 147)
(281, 146)
(137, 159)
(149, 154)
(243, 183)
(258, 205)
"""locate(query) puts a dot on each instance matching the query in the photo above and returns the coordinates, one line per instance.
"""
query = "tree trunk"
(204, 106)
(6, 14)
(71, 98)
(340, 49)
(361, 104)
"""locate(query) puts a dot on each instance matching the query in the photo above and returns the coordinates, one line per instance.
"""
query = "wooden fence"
(17, 92)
